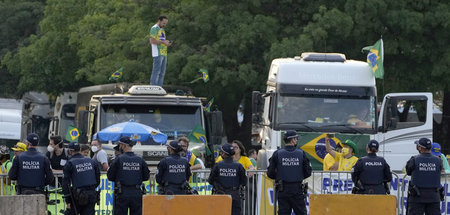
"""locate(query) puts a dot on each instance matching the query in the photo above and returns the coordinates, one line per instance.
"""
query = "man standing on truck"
(289, 167)
(159, 45)
(347, 158)
(424, 193)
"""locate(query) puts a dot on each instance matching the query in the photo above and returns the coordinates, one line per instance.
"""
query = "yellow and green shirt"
(159, 34)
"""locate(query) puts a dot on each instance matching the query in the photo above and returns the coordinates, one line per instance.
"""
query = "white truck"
(321, 93)
(10, 121)
(173, 114)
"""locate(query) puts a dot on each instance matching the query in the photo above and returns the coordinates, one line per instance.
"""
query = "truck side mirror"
(257, 103)
(214, 130)
(82, 126)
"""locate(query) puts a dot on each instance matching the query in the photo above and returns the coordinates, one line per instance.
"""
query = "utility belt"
(280, 185)
(162, 188)
(81, 194)
(24, 190)
(416, 191)
(118, 189)
(235, 192)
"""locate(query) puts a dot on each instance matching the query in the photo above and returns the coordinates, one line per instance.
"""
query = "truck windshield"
(326, 113)
(167, 119)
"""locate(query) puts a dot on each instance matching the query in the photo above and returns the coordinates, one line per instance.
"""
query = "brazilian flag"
(205, 75)
(72, 134)
(208, 106)
(375, 58)
(198, 135)
(117, 74)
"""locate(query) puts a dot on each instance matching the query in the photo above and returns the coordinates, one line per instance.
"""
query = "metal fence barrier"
(258, 198)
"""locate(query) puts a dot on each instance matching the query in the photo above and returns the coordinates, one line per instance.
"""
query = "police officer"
(128, 171)
(31, 169)
(425, 172)
(289, 166)
(84, 175)
(173, 171)
(228, 177)
(371, 173)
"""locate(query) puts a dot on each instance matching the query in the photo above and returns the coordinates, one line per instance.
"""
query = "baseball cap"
(373, 144)
(4, 150)
(74, 146)
(175, 145)
(227, 149)
(33, 139)
(290, 134)
(436, 149)
(20, 147)
(352, 145)
(126, 140)
(424, 143)
(116, 147)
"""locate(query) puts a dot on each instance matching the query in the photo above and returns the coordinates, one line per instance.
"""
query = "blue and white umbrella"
(135, 130)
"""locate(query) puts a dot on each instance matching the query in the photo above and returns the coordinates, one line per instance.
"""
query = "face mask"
(345, 151)
(94, 149)
(50, 149)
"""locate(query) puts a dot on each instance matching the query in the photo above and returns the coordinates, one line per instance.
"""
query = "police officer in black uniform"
(173, 172)
(289, 166)
(84, 175)
(128, 171)
(425, 172)
(31, 169)
(371, 173)
(228, 177)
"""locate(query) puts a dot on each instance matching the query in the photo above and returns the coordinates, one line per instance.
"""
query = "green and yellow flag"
(208, 106)
(198, 135)
(375, 58)
(72, 134)
(117, 74)
(205, 75)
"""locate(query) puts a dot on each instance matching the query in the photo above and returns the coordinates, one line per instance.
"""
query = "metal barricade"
(258, 193)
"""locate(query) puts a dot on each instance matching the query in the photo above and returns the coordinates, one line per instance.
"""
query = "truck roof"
(332, 73)
(169, 99)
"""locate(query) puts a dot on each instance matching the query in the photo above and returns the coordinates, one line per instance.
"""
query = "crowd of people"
(288, 166)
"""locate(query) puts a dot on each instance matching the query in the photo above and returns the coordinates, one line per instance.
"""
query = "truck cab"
(321, 93)
(173, 114)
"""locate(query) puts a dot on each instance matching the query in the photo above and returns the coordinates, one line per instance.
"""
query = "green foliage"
(81, 42)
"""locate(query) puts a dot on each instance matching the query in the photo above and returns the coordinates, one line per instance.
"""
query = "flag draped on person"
(208, 106)
(117, 74)
(198, 135)
(72, 134)
(375, 58)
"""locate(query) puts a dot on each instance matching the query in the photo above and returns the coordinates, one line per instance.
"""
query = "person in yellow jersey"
(347, 158)
(329, 163)
(240, 156)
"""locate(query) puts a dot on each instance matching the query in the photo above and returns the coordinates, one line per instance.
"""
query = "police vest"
(228, 174)
(427, 173)
(290, 166)
(176, 170)
(130, 170)
(31, 169)
(372, 170)
(83, 173)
